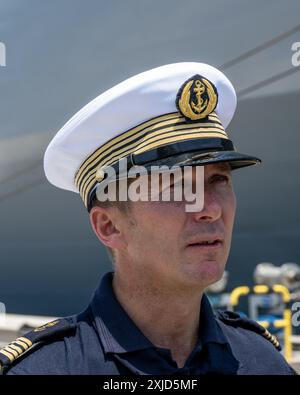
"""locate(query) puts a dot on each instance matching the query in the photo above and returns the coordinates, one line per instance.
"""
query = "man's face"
(168, 244)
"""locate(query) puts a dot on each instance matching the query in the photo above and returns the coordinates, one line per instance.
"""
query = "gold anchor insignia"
(197, 98)
(199, 89)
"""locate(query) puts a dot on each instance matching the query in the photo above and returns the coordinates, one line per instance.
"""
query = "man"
(151, 315)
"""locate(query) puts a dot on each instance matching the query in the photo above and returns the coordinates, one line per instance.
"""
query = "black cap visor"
(194, 152)
(235, 159)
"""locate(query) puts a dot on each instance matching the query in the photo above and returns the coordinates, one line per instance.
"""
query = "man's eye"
(220, 178)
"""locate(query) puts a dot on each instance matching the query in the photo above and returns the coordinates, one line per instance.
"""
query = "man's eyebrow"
(223, 167)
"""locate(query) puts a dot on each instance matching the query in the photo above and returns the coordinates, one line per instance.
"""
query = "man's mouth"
(207, 244)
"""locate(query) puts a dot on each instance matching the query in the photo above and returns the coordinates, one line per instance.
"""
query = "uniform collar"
(209, 331)
(118, 332)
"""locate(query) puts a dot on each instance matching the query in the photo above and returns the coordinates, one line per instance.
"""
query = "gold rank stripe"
(275, 340)
(134, 133)
(89, 180)
(271, 338)
(144, 145)
(8, 355)
(11, 351)
(22, 344)
(16, 348)
(122, 137)
(25, 340)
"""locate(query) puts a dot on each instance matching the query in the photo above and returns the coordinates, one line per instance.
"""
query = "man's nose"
(212, 209)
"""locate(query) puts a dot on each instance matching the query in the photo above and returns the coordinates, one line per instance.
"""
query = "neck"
(168, 317)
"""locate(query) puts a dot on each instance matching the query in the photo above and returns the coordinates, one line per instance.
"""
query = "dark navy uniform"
(104, 340)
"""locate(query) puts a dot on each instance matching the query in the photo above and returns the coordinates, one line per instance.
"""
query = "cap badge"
(197, 98)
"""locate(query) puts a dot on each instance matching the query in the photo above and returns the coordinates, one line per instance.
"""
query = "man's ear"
(107, 226)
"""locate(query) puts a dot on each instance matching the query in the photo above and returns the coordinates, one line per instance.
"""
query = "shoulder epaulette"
(23, 344)
(234, 319)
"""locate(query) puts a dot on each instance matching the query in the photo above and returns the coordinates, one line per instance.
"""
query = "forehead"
(222, 166)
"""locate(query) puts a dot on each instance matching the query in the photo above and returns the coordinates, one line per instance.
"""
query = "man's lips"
(206, 243)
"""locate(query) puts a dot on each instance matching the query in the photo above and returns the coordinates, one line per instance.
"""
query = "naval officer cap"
(172, 115)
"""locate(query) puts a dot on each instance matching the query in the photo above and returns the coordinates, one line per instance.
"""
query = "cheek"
(229, 208)
(157, 223)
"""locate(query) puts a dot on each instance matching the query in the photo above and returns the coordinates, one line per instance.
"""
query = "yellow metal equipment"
(285, 322)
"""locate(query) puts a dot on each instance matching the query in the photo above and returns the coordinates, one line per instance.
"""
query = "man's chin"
(206, 273)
